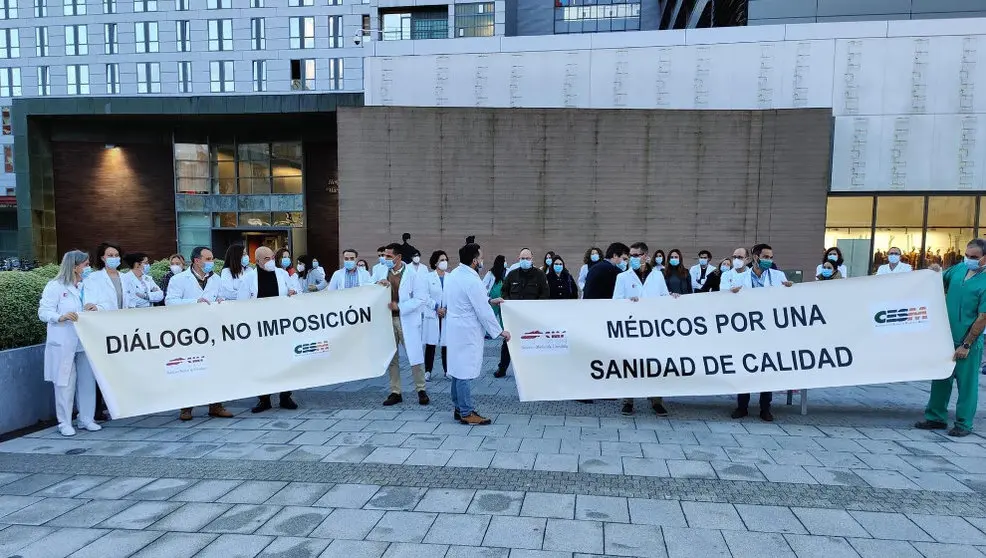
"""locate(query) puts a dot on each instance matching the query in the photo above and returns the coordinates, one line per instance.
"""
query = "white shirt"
(901, 268)
(842, 271)
(696, 273)
(140, 292)
(771, 278)
(235, 288)
(184, 289)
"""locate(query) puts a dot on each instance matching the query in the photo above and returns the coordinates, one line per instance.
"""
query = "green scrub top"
(965, 299)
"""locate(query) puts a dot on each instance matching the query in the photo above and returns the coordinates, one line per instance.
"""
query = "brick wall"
(125, 194)
(565, 179)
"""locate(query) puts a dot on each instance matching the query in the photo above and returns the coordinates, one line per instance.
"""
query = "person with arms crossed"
(700, 271)
(139, 289)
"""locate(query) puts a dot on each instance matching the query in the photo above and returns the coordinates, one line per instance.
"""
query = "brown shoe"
(186, 414)
(473, 419)
(217, 410)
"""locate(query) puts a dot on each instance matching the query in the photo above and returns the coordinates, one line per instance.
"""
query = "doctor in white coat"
(470, 319)
(409, 296)
(700, 271)
(66, 364)
(349, 276)
(234, 279)
(139, 288)
(104, 288)
(895, 265)
(434, 313)
(311, 277)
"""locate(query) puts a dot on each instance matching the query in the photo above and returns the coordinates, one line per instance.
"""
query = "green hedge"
(20, 293)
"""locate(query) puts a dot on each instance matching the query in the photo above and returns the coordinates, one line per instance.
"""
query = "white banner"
(869, 330)
(157, 359)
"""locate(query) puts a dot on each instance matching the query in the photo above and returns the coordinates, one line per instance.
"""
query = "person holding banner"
(350, 275)
(66, 365)
(409, 296)
(139, 289)
(197, 285)
(104, 288)
(235, 276)
(527, 282)
(266, 282)
(470, 320)
(965, 299)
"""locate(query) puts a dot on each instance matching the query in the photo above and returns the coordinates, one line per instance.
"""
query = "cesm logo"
(910, 316)
(548, 341)
(314, 348)
(184, 365)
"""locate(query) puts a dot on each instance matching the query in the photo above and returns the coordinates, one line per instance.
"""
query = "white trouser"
(82, 381)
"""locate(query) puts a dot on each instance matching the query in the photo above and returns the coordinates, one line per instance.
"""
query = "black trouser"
(504, 357)
(743, 400)
(430, 358)
(100, 403)
(266, 398)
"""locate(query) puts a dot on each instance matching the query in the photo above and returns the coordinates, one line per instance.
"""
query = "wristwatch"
(966, 346)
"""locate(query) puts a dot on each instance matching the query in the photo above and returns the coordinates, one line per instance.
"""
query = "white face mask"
(300, 267)
(443, 265)
(738, 263)
(269, 265)
(416, 259)
(176, 269)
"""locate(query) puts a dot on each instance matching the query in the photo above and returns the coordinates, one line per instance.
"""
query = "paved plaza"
(345, 477)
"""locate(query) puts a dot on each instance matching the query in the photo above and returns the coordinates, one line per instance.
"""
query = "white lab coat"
(901, 268)
(489, 280)
(338, 281)
(379, 273)
(628, 286)
(411, 302)
(100, 290)
(284, 283)
(235, 288)
(140, 292)
(771, 278)
(469, 319)
(696, 273)
(315, 278)
(434, 334)
(66, 365)
(583, 271)
(420, 268)
(184, 289)
(842, 271)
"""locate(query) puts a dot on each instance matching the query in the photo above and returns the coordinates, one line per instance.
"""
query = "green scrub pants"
(966, 376)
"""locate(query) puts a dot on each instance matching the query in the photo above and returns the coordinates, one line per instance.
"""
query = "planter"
(25, 397)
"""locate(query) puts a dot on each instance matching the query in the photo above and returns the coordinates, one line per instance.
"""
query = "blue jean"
(462, 396)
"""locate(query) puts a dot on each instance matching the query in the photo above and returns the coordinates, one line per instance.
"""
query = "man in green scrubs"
(965, 299)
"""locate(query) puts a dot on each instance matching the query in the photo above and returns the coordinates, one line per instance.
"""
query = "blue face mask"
(674, 261)
(558, 268)
(703, 261)
(285, 262)
(725, 267)
(389, 264)
(765, 264)
(659, 260)
(635, 263)
(594, 258)
(208, 266)
(623, 265)
(894, 258)
(112, 263)
(245, 260)
(315, 264)
(547, 261)
(972, 264)
(826, 272)
(382, 260)
(348, 264)
(146, 268)
(525, 264)
(833, 258)
(86, 272)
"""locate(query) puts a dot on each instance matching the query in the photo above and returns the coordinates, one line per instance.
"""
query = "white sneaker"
(66, 430)
(91, 426)
(427, 376)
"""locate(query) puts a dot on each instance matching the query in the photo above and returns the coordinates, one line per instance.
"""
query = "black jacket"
(600, 282)
(525, 284)
(562, 285)
(712, 282)
(678, 284)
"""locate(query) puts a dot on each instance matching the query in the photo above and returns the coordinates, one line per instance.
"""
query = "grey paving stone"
(634, 540)
(525, 553)
(294, 547)
(432, 457)
(140, 515)
(347, 496)
(116, 488)
(395, 498)
(30, 484)
(656, 512)
(235, 546)
(610, 465)
(892, 526)
(662, 451)
(477, 552)
(117, 544)
(712, 515)
(43, 511)
(809, 546)
(10, 504)
(459, 529)
(772, 519)
(401, 526)
(72, 487)
(513, 460)
(540, 445)
(573, 536)
(411, 550)
(886, 479)
(515, 532)
(744, 544)
(176, 544)
(749, 455)
(728, 470)
(645, 466)
(190, 517)
(872, 548)
(473, 459)
(495, 502)
(580, 447)
(541, 504)
(241, 519)
(61, 543)
(345, 523)
(90, 513)
(949, 529)
(690, 542)
(461, 442)
(939, 482)
(835, 477)
(161, 489)
(299, 494)
(682, 469)
(786, 473)
(445, 500)
(206, 491)
(350, 454)
(16, 537)
(294, 521)
(252, 492)
(390, 455)
(426, 441)
(943, 550)
(836, 523)
(602, 508)
(506, 445)
(556, 462)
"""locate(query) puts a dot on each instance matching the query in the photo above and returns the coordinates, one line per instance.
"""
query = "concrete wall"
(25, 398)
(770, 12)
(567, 179)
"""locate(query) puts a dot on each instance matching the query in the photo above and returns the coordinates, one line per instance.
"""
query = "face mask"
(894, 258)
(146, 268)
(245, 261)
(301, 267)
(383, 260)
(623, 265)
(349, 265)
(826, 272)
(389, 264)
(314, 264)
(634, 263)
(269, 265)
(285, 262)
(674, 261)
(479, 266)
(363, 267)
(558, 268)
(208, 266)
(416, 259)
(525, 264)
(176, 269)
(547, 261)
(833, 257)
(703, 261)
(738, 263)
(659, 260)
(724, 268)
(594, 258)
(112, 263)
(86, 272)
(443, 265)
(765, 264)
(972, 263)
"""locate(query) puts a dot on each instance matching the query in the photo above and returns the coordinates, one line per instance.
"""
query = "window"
(474, 20)
(591, 16)
(41, 41)
(256, 3)
(220, 34)
(424, 23)
(302, 32)
(299, 3)
(74, 7)
(302, 75)
(10, 82)
(145, 5)
(181, 5)
(8, 9)
(44, 81)
(258, 34)
(76, 40)
(40, 8)
(146, 36)
(113, 79)
(78, 79)
(148, 77)
(221, 76)
(111, 41)
(184, 33)
(339, 2)
(259, 76)
(335, 32)
(10, 43)
(184, 77)
(218, 4)
(335, 74)
(109, 6)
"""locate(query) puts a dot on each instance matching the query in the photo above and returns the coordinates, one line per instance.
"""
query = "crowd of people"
(438, 308)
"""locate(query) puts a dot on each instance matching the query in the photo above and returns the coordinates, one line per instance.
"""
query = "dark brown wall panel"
(322, 201)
